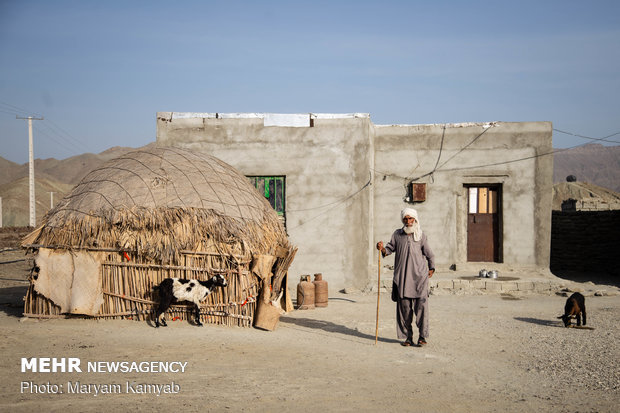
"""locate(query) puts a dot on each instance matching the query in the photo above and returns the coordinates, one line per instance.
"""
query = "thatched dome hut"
(153, 214)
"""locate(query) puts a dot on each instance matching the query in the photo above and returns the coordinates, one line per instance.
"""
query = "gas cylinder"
(320, 290)
(305, 293)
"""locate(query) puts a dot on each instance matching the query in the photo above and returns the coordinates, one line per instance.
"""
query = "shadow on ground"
(12, 300)
(548, 323)
(597, 277)
(332, 328)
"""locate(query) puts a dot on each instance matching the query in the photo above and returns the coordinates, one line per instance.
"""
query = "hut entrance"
(484, 223)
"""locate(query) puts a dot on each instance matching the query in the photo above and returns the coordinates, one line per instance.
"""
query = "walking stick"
(378, 295)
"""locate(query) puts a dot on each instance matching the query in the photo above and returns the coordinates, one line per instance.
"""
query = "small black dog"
(575, 308)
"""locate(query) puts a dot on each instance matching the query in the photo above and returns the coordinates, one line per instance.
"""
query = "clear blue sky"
(98, 71)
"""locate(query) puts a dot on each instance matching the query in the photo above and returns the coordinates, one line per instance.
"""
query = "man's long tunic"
(411, 264)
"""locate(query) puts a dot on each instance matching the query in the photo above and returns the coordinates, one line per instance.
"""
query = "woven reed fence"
(128, 289)
(39, 306)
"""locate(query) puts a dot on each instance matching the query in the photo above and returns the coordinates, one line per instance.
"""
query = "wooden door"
(483, 224)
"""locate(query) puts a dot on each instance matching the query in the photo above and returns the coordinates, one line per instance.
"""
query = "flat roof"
(447, 125)
(258, 115)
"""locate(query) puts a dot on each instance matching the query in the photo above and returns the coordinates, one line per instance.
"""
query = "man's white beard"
(408, 230)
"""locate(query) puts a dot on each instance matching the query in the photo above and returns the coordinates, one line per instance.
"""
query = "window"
(482, 200)
(274, 190)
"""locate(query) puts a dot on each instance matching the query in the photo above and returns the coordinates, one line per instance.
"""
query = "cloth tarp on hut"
(61, 279)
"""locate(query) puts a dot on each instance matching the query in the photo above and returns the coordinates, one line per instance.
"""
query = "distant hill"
(592, 163)
(16, 199)
(9, 171)
(68, 171)
(51, 175)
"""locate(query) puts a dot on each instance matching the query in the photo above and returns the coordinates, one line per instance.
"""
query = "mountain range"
(592, 163)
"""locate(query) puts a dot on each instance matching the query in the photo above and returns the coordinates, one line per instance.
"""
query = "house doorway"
(484, 243)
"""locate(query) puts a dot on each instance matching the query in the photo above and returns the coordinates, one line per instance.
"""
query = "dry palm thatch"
(159, 202)
(164, 207)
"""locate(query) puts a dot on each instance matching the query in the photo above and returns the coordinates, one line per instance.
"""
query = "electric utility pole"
(33, 217)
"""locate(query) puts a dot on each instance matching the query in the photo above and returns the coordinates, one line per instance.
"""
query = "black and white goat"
(575, 307)
(179, 289)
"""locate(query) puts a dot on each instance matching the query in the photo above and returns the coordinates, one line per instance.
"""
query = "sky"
(99, 71)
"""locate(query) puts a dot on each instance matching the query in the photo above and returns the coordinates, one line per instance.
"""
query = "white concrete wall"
(403, 153)
(323, 164)
(326, 163)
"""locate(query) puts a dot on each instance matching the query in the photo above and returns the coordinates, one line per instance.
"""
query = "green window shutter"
(273, 189)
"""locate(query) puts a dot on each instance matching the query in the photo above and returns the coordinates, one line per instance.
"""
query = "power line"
(603, 139)
(340, 201)
(65, 133)
(435, 169)
(50, 129)
(333, 204)
(10, 113)
(59, 143)
(513, 160)
(58, 132)
(464, 147)
(19, 111)
(443, 135)
(538, 155)
(464, 168)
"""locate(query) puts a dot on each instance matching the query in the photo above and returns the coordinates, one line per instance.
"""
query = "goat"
(575, 308)
(179, 289)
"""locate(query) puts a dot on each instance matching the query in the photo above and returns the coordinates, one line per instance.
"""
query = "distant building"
(338, 181)
(583, 196)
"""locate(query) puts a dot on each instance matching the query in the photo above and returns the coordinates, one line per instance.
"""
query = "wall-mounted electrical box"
(416, 192)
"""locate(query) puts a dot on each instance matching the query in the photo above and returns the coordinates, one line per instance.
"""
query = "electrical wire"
(438, 169)
(443, 135)
(464, 147)
(338, 201)
(538, 155)
(10, 113)
(603, 139)
(49, 129)
(54, 132)
(63, 132)
(333, 205)
(16, 110)
(58, 142)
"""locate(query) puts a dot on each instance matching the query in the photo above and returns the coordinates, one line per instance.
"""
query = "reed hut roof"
(160, 201)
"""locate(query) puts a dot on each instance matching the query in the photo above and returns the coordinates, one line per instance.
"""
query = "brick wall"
(585, 241)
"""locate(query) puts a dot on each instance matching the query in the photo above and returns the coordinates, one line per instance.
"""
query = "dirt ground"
(486, 353)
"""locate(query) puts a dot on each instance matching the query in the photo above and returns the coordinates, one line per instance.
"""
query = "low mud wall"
(585, 241)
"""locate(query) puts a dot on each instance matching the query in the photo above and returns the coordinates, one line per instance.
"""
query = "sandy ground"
(487, 353)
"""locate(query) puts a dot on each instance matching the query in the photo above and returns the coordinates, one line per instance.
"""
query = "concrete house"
(483, 191)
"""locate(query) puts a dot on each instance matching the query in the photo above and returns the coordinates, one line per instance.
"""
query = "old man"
(414, 264)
